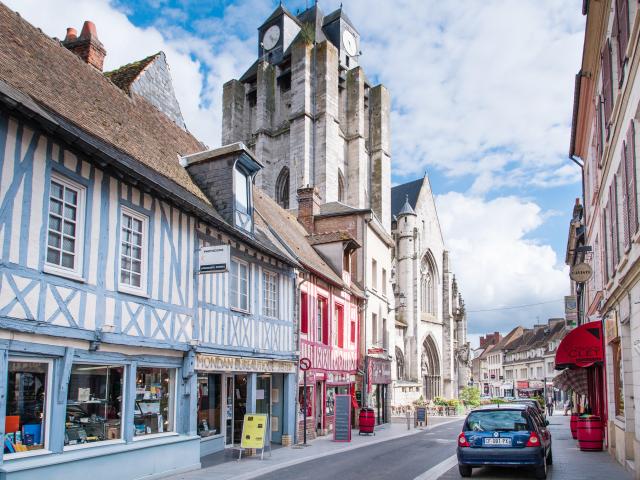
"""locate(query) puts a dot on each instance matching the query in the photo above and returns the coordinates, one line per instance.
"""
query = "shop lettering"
(584, 353)
(237, 364)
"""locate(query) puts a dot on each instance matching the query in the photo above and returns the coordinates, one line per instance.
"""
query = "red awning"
(581, 347)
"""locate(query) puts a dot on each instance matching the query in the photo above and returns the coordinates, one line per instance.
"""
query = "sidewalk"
(224, 466)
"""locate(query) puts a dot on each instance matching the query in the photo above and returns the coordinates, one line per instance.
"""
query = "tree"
(470, 396)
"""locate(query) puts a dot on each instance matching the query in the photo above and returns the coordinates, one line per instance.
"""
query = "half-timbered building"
(116, 346)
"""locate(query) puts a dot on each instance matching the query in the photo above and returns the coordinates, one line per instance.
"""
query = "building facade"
(432, 355)
(309, 114)
(117, 345)
(604, 230)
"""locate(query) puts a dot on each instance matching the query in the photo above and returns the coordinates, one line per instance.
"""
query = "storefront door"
(381, 403)
(239, 405)
(229, 411)
(319, 405)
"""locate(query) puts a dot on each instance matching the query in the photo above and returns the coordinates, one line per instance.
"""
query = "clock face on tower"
(271, 37)
(349, 42)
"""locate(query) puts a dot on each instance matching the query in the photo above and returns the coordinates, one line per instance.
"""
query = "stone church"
(321, 129)
(431, 349)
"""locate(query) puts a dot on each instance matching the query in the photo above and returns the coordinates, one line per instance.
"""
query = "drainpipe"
(365, 373)
(296, 317)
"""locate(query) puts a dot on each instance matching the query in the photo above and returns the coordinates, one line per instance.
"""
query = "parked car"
(505, 435)
(533, 402)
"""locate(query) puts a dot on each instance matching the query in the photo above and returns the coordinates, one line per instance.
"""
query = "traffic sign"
(305, 364)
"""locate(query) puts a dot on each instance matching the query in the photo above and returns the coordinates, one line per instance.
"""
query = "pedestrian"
(568, 406)
(550, 406)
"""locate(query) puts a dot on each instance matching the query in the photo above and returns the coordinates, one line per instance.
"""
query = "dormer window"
(242, 202)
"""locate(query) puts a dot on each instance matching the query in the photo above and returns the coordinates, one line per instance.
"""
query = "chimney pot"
(308, 207)
(89, 30)
(72, 34)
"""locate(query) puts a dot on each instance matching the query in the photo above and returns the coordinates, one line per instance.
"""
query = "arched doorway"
(430, 369)
(282, 188)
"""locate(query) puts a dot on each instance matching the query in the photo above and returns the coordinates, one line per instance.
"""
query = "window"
(340, 325)
(353, 331)
(385, 337)
(539, 373)
(28, 389)
(384, 281)
(618, 381)
(340, 186)
(374, 274)
(304, 312)
(428, 286)
(209, 404)
(94, 404)
(523, 373)
(282, 188)
(374, 328)
(399, 364)
(65, 230)
(133, 251)
(242, 193)
(155, 394)
(323, 321)
(270, 294)
(239, 285)
(550, 368)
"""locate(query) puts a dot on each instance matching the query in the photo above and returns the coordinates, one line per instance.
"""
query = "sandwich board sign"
(342, 422)
(254, 432)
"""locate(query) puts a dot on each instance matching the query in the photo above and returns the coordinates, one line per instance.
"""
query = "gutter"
(574, 117)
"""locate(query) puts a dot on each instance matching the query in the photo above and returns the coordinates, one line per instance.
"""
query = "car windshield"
(497, 420)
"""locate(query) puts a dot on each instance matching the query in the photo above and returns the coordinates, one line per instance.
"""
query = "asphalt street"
(401, 459)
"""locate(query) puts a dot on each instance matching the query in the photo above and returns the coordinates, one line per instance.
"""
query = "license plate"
(505, 442)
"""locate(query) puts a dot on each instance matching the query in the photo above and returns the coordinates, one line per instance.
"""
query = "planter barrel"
(590, 434)
(574, 425)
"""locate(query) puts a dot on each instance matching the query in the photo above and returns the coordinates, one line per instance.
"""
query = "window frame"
(276, 309)
(77, 272)
(47, 412)
(143, 289)
(242, 219)
(236, 307)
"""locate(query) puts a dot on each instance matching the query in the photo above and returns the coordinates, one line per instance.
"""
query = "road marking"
(439, 470)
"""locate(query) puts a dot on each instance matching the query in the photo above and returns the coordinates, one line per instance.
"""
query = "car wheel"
(541, 471)
(465, 470)
(550, 457)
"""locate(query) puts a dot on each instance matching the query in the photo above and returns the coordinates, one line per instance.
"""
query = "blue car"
(505, 435)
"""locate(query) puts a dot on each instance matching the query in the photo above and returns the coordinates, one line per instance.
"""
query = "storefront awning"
(574, 379)
(581, 347)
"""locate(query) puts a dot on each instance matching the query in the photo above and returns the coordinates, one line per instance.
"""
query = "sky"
(482, 95)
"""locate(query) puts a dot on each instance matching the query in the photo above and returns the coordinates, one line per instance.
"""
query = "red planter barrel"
(367, 420)
(590, 434)
(574, 425)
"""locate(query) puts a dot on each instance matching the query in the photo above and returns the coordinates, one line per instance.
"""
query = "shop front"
(378, 387)
(68, 411)
(229, 387)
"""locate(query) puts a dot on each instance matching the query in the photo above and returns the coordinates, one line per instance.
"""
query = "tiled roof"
(57, 79)
(124, 76)
(338, 208)
(405, 192)
(330, 237)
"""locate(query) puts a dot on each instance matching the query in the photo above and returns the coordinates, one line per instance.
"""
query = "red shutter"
(599, 143)
(304, 313)
(631, 178)
(325, 322)
(353, 331)
(622, 170)
(621, 29)
(340, 313)
(605, 242)
(607, 87)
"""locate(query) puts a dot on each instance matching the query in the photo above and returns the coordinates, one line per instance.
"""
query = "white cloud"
(497, 265)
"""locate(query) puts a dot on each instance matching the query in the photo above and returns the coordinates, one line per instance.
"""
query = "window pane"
(55, 207)
(69, 212)
(54, 239)
(209, 404)
(154, 401)
(69, 228)
(71, 196)
(56, 190)
(25, 420)
(53, 256)
(55, 223)
(67, 260)
(68, 244)
(241, 191)
(94, 404)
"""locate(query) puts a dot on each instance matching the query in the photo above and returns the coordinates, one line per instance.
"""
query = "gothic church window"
(428, 284)
(340, 186)
(399, 364)
(282, 188)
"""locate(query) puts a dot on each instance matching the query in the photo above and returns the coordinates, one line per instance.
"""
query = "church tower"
(310, 115)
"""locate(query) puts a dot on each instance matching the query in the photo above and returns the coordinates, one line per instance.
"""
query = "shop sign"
(537, 384)
(379, 371)
(214, 259)
(611, 327)
(580, 272)
(571, 309)
(218, 363)
(521, 384)
(254, 427)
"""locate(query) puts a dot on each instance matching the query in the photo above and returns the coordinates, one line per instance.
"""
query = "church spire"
(406, 208)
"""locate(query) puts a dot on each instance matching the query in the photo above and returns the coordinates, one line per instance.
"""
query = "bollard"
(408, 420)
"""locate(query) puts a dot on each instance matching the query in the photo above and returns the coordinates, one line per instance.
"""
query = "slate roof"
(58, 79)
(339, 13)
(339, 208)
(124, 76)
(280, 10)
(407, 191)
(330, 237)
(406, 208)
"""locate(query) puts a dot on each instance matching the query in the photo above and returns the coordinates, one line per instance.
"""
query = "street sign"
(580, 272)
(305, 364)
(342, 422)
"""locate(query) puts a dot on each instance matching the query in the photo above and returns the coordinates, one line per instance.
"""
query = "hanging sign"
(580, 272)
(254, 428)
(342, 419)
(214, 259)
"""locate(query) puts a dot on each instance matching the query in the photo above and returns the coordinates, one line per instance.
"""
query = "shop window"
(304, 312)
(133, 251)
(94, 404)
(209, 404)
(65, 229)
(270, 294)
(28, 390)
(309, 400)
(239, 285)
(618, 390)
(340, 325)
(155, 395)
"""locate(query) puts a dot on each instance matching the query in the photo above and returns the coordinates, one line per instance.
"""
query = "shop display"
(154, 401)
(26, 402)
(209, 403)
(94, 404)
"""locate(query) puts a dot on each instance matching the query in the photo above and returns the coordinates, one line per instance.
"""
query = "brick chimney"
(490, 339)
(87, 46)
(308, 207)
